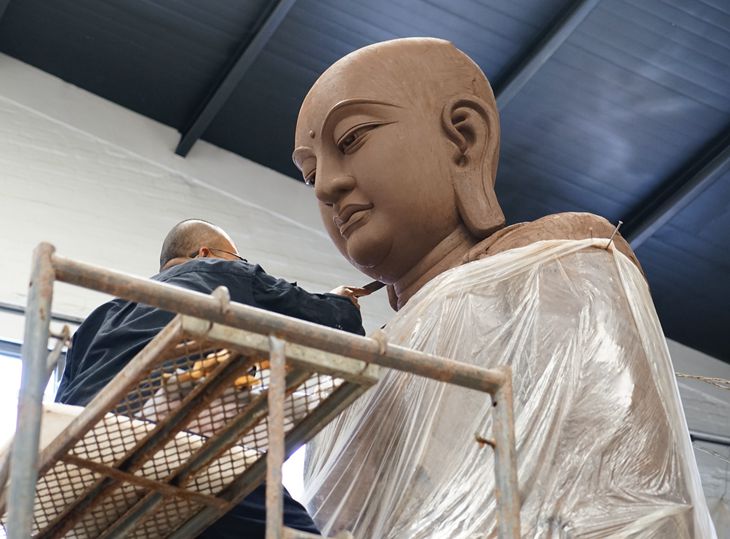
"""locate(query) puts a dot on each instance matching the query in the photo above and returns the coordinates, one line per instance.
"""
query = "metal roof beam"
(3, 7)
(677, 192)
(224, 88)
(55, 317)
(539, 53)
(697, 436)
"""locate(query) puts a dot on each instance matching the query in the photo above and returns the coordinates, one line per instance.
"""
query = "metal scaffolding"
(211, 406)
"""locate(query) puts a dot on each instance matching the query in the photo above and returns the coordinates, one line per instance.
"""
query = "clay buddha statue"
(400, 141)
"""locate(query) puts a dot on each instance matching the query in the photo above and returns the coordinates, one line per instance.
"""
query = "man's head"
(196, 238)
(401, 141)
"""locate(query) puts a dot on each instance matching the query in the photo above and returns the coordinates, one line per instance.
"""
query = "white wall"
(104, 185)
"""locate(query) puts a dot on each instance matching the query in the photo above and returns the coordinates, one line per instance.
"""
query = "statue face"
(380, 170)
(400, 140)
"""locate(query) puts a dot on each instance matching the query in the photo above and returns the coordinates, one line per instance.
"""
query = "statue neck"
(449, 253)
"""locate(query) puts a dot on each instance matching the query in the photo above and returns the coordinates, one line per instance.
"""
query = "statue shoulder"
(559, 226)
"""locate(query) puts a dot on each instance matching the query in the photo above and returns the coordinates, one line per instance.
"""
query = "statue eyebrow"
(355, 101)
(300, 154)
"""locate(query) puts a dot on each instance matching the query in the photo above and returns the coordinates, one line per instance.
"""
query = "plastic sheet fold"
(602, 444)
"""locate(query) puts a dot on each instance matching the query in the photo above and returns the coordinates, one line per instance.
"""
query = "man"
(401, 141)
(199, 256)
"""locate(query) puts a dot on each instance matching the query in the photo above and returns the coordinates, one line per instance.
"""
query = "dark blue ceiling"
(630, 108)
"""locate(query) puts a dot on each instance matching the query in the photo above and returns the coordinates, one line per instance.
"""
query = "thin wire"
(722, 383)
(713, 453)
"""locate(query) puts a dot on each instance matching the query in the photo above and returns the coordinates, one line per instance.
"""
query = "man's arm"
(334, 310)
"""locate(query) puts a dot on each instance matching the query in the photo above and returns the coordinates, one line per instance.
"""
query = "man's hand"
(350, 292)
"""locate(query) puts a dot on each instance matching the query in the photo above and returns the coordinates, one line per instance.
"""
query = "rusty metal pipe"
(505, 461)
(174, 299)
(24, 456)
(141, 481)
(275, 453)
(51, 363)
(55, 354)
(232, 432)
(301, 433)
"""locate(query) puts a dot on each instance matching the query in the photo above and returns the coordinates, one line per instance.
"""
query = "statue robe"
(602, 443)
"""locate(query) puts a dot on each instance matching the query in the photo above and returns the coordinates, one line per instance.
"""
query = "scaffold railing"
(209, 409)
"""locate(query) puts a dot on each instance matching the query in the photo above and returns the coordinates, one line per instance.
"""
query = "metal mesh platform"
(182, 428)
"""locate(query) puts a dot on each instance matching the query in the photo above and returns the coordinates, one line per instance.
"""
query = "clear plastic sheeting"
(602, 443)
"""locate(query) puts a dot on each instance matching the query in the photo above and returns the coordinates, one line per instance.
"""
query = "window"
(11, 367)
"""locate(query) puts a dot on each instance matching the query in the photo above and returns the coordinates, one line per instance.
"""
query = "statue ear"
(473, 128)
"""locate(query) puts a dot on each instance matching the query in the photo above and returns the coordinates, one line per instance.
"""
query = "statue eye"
(354, 138)
(310, 178)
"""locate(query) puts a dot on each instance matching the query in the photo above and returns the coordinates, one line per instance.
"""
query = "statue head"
(400, 140)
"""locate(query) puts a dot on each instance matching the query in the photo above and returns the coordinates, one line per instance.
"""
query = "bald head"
(188, 237)
(402, 72)
(415, 67)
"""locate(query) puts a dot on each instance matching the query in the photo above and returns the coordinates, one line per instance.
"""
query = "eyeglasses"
(239, 257)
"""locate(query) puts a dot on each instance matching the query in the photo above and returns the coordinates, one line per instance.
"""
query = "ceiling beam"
(541, 51)
(55, 317)
(3, 7)
(679, 190)
(697, 436)
(241, 63)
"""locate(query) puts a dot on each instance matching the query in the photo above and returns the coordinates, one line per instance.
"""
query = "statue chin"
(368, 256)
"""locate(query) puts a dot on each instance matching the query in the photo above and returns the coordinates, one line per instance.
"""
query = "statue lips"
(350, 217)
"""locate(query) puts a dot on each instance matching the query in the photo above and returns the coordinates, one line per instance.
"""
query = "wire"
(722, 383)
(713, 453)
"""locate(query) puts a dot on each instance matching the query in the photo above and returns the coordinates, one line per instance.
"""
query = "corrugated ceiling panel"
(632, 94)
(687, 266)
(157, 57)
(316, 33)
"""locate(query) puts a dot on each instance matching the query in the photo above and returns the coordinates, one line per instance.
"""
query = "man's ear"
(473, 128)
(204, 252)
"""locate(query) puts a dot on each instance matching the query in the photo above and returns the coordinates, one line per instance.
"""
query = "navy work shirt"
(115, 332)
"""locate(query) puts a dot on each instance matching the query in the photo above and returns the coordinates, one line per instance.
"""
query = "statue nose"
(330, 190)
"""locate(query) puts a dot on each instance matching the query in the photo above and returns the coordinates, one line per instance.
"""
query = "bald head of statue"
(400, 140)
(195, 238)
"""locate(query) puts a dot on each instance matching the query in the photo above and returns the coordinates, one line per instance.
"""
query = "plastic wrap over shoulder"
(602, 443)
